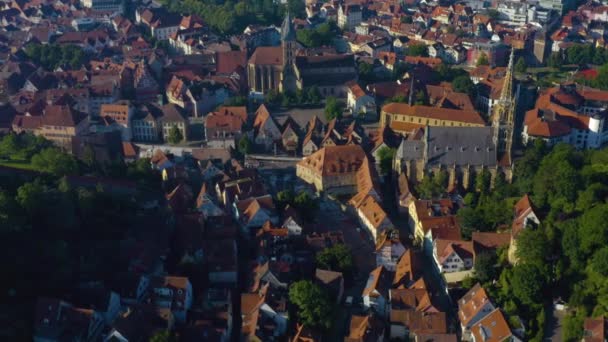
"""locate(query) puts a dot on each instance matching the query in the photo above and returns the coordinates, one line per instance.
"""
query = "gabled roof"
(370, 209)
(267, 55)
(56, 115)
(522, 209)
(408, 270)
(335, 160)
(445, 248)
(490, 240)
(250, 207)
(328, 278)
(492, 328)
(411, 299)
(471, 303)
(442, 227)
(420, 322)
(364, 328)
(377, 281)
(595, 329)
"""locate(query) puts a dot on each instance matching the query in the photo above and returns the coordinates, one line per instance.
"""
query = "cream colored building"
(60, 124)
(333, 169)
(402, 117)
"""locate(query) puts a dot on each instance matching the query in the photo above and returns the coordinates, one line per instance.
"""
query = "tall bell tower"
(288, 46)
(503, 115)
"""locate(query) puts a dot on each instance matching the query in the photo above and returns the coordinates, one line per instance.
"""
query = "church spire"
(288, 33)
(506, 93)
(502, 116)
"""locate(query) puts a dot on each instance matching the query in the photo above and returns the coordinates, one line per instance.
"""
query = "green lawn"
(18, 164)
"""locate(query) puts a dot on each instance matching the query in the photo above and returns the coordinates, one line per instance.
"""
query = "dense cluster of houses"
(156, 77)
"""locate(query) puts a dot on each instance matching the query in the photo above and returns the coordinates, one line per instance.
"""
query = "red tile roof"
(267, 55)
(465, 116)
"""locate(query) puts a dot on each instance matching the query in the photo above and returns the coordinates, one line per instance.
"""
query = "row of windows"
(427, 121)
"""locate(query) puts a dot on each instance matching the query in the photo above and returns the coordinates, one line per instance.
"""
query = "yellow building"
(60, 124)
(333, 168)
(402, 117)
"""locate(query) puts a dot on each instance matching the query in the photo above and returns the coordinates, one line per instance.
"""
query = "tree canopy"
(521, 66)
(336, 258)
(175, 135)
(52, 56)
(55, 161)
(483, 60)
(463, 84)
(333, 108)
(420, 50)
(314, 305)
(321, 35)
(386, 154)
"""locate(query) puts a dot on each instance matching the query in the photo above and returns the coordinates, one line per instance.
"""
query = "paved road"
(554, 325)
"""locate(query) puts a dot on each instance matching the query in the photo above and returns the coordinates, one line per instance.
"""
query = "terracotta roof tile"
(465, 116)
(471, 303)
(335, 160)
(492, 328)
(267, 55)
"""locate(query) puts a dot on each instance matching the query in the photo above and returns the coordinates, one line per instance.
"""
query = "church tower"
(288, 47)
(502, 117)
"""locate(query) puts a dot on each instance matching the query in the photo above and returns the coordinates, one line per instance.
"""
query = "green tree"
(88, 157)
(55, 161)
(601, 81)
(333, 108)
(599, 262)
(432, 185)
(273, 97)
(236, 101)
(385, 156)
(296, 8)
(555, 60)
(285, 197)
(533, 247)
(301, 96)
(592, 195)
(366, 73)
(446, 73)
(306, 205)
(175, 135)
(463, 84)
(521, 66)
(573, 326)
(322, 35)
(482, 60)
(483, 181)
(11, 216)
(314, 95)
(406, 19)
(245, 146)
(162, 336)
(485, 266)
(418, 50)
(592, 230)
(527, 283)
(314, 305)
(421, 98)
(470, 220)
(337, 258)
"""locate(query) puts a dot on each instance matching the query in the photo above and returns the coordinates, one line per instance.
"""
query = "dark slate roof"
(288, 33)
(411, 150)
(325, 61)
(461, 146)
